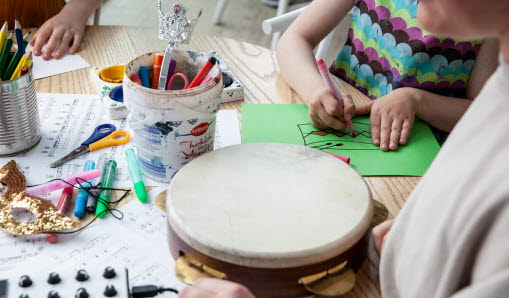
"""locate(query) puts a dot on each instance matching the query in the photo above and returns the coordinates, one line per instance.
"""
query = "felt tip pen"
(204, 71)
(82, 196)
(109, 171)
(143, 73)
(63, 204)
(62, 183)
(171, 71)
(156, 71)
(325, 75)
(136, 176)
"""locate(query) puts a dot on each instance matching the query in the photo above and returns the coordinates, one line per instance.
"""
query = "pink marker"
(343, 158)
(325, 75)
(63, 205)
(59, 184)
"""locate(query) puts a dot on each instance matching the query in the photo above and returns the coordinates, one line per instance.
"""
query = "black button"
(81, 293)
(54, 278)
(109, 272)
(23, 296)
(81, 275)
(53, 294)
(25, 281)
(110, 291)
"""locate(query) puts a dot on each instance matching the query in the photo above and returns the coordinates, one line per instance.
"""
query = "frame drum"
(277, 218)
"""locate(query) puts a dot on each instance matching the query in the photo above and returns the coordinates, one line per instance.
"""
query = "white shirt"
(451, 239)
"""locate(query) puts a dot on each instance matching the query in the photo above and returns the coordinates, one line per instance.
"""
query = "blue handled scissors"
(101, 132)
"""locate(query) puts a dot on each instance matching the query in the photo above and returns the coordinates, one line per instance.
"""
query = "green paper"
(289, 123)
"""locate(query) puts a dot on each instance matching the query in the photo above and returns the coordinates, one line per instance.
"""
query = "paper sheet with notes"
(69, 119)
(137, 242)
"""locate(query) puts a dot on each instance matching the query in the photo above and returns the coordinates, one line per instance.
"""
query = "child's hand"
(63, 33)
(212, 287)
(392, 118)
(325, 112)
(380, 233)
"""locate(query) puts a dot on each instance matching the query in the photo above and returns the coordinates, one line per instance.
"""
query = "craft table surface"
(257, 69)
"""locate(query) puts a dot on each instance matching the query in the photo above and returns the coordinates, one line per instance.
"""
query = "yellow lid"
(113, 74)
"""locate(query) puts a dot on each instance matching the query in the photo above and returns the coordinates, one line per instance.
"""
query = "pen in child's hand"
(325, 75)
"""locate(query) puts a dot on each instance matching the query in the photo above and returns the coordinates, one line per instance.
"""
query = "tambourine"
(283, 220)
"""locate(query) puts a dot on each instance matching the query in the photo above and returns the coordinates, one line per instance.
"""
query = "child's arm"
(64, 31)
(392, 116)
(298, 65)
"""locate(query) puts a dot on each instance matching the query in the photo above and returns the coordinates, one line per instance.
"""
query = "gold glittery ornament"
(49, 218)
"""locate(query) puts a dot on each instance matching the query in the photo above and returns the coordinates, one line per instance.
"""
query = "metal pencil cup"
(20, 127)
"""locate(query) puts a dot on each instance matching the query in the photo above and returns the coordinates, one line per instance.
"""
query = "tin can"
(171, 128)
(20, 126)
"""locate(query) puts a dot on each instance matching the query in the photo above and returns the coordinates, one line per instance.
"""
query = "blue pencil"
(19, 37)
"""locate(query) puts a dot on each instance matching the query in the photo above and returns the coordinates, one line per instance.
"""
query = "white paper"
(137, 242)
(227, 129)
(69, 119)
(42, 68)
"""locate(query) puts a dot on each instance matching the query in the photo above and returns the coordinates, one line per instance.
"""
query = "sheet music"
(69, 119)
(138, 242)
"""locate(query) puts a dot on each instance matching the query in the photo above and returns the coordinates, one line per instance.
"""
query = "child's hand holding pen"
(325, 111)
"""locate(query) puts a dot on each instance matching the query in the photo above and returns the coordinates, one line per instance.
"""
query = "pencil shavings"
(49, 218)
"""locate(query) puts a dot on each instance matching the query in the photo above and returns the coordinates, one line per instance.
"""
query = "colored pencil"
(26, 39)
(19, 37)
(5, 53)
(23, 70)
(3, 34)
(26, 61)
(204, 71)
(9, 70)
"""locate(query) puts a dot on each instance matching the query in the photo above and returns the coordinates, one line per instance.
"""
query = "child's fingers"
(64, 45)
(364, 109)
(374, 127)
(330, 121)
(75, 44)
(380, 232)
(332, 107)
(52, 43)
(315, 120)
(396, 128)
(349, 108)
(385, 132)
(40, 40)
(405, 131)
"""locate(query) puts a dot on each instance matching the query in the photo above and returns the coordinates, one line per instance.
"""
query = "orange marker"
(156, 71)
(204, 71)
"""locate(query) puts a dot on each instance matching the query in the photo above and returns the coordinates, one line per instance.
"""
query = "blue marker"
(82, 197)
(143, 73)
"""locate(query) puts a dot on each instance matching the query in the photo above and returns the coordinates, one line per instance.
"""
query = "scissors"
(104, 135)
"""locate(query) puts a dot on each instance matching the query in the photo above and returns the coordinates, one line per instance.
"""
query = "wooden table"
(257, 68)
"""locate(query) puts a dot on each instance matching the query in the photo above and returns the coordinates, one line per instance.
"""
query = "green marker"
(136, 177)
(108, 176)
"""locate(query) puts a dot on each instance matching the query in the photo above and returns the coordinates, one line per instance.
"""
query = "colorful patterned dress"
(386, 49)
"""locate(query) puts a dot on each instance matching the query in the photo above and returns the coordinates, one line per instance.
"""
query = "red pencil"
(23, 70)
(203, 73)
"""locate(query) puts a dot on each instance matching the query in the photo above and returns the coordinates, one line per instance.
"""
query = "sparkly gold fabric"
(49, 218)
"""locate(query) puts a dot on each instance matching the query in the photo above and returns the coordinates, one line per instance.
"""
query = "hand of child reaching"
(325, 112)
(211, 287)
(380, 233)
(62, 33)
(392, 118)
